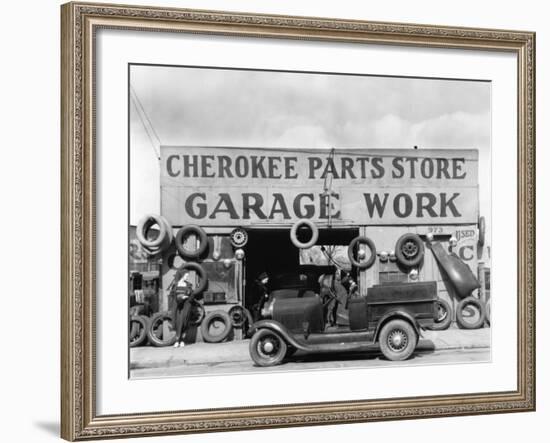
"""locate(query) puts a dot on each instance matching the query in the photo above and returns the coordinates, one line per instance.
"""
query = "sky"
(198, 106)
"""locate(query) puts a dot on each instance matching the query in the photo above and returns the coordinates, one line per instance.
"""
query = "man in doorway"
(261, 283)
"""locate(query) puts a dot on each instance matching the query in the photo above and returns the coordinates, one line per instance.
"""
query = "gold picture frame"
(80, 21)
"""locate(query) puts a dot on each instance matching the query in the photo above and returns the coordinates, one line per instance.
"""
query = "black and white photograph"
(285, 221)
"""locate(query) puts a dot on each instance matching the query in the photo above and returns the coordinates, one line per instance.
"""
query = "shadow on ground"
(427, 347)
(49, 427)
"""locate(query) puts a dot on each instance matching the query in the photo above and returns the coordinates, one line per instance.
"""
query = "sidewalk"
(237, 351)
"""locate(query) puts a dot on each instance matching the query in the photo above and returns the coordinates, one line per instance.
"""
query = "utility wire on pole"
(148, 127)
(328, 192)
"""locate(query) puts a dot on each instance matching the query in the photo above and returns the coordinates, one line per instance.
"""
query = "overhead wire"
(140, 110)
(330, 256)
(327, 189)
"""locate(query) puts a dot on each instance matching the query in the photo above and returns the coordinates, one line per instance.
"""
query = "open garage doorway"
(271, 252)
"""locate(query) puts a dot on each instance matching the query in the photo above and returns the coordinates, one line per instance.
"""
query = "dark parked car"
(392, 315)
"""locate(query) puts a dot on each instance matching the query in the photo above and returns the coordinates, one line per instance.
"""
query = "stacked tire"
(162, 241)
(215, 326)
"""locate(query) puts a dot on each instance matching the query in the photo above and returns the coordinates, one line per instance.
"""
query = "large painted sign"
(221, 186)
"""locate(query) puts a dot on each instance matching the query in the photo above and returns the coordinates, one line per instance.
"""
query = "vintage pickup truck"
(392, 315)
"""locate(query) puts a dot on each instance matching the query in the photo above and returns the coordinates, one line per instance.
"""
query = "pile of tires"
(471, 313)
(215, 327)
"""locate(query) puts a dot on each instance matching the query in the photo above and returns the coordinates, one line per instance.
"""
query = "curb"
(148, 357)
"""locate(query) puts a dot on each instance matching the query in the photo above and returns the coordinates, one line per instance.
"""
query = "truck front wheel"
(267, 348)
(397, 340)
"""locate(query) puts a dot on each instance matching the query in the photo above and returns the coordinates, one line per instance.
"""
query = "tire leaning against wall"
(472, 301)
(241, 318)
(209, 319)
(446, 322)
(157, 320)
(143, 324)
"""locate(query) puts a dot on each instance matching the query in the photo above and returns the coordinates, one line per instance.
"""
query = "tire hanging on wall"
(223, 318)
(294, 234)
(201, 272)
(409, 250)
(183, 233)
(351, 254)
(445, 316)
(238, 238)
(162, 241)
(462, 321)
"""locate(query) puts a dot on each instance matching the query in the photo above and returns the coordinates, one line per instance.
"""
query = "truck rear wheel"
(397, 340)
(267, 348)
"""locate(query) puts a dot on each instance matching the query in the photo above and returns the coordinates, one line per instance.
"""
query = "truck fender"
(277, 327)
(394, 315)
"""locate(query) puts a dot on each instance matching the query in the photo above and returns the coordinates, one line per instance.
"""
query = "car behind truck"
(392, 315)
